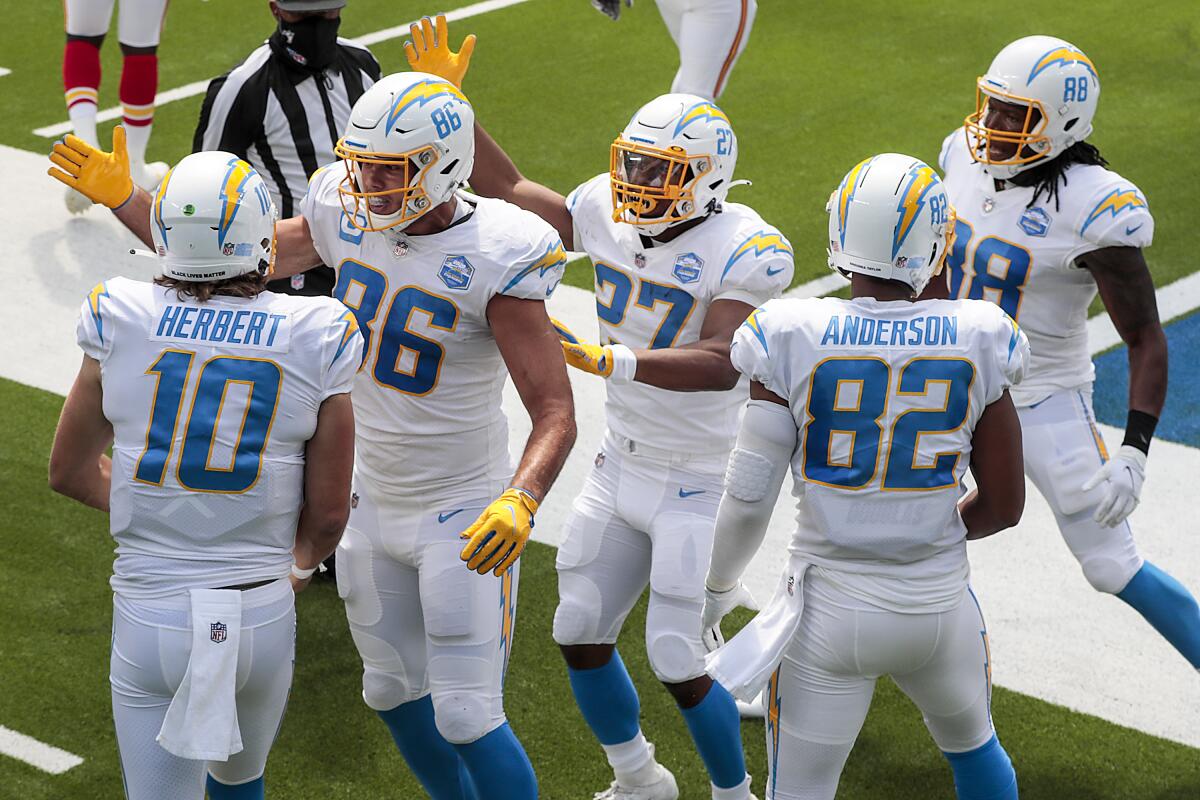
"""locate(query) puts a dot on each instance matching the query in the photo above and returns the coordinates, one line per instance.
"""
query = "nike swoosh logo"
(1132, 231)
(775, 271)
(444, 516)
(684, 493)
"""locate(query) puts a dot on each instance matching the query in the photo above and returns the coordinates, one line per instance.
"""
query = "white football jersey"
(211, 405)
(651, 295)
(427, 400)
(886, 396)
(1022, 257)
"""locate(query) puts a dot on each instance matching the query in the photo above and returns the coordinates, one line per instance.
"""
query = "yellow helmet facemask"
(1030, 142)
(414, 201)
(644, 178)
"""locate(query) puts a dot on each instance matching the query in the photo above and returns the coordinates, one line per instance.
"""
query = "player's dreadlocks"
(1046, 176)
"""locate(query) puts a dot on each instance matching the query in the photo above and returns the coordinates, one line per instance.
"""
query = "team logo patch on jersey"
(688, 267)
(218, 631)
(456, 272)
(1035, 222)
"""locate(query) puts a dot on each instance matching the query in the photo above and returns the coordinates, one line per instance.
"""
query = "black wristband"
(1139, 430)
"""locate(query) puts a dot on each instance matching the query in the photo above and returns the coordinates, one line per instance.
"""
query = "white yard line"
(193, 89)
(5, 71)
(45, 757)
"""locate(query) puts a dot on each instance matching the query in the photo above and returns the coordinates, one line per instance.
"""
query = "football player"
(1042, 225)
(228, 411)
(710, 35)
(878, 405)
(450, 293)
(677, 270)
(139, 25)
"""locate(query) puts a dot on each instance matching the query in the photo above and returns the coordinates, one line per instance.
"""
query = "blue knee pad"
(499, 766)
(985, 773)
(607, 700)
(716, 729)
(1167, 606)
(432, 759)
(251, 790)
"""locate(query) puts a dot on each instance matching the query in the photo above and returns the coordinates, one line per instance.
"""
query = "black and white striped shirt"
(281, 118)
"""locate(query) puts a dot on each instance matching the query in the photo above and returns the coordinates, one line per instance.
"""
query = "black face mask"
(311, 42)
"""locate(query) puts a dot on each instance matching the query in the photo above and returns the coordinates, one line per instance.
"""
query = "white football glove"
(611, 8)
(716, 606)
(1125, 473)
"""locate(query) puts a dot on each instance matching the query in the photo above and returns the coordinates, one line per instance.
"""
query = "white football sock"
(83, 120)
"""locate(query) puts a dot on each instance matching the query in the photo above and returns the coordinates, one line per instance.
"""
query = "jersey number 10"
(196, 472)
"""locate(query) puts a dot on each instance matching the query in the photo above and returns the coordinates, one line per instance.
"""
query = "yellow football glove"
(499, 535)
(429, 51)
(593, 358)
(99, 176)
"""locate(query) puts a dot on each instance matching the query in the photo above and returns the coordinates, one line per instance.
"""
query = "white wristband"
(624, 364)
(302, 574)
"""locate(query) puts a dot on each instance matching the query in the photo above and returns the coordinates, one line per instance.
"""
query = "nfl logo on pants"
(217, 631)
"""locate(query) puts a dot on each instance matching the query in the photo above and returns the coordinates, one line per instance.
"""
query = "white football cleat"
(654, 782)
(755, 709)
(148, 176)
(76, 202)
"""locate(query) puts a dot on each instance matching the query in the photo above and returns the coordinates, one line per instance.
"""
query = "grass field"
(821, 85)
(54, 663)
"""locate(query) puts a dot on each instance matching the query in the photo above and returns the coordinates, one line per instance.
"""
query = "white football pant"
(139, 22)
(817, 700)
(422, 622)
(1063, 448)
(710, 35)
(640, 519)
(151, 645)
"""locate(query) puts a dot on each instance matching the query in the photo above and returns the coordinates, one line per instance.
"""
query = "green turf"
(821, 85)
(54, 660)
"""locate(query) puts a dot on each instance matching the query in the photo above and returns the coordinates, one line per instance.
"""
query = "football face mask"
(651, 185)
(385, 189)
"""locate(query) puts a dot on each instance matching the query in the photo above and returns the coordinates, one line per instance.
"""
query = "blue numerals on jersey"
(445, 120)
(1002, 289)
(395, 338)
(649, 294)
(847, 399)
(853, 411)
(263, 380)
(902, 471)
(370, 287)
(1075, 89)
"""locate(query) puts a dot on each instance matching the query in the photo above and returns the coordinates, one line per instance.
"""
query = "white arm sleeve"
(753, 478)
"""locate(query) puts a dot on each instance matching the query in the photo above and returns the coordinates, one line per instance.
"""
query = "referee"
(284, 107)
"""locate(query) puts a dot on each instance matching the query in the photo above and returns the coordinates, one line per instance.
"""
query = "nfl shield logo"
(600, 459)
(639, 260)
(791, 585)
(217, 631)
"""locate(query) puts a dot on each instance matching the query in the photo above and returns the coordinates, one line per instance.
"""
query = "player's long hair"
(250, 285)
(1045, 177)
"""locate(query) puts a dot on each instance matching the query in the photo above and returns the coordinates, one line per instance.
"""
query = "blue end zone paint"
(1181, 418)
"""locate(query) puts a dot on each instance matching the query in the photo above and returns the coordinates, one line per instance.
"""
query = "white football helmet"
(212, 218)
(890, 219)
(415, 122)
(1058, 86)
(674, 160)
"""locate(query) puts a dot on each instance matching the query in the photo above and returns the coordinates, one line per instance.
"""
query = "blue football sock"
(716, 730)
(984, 773)
(431, 758)
(499, 766)
(608, 701)
(1167, 606)
(243, 791)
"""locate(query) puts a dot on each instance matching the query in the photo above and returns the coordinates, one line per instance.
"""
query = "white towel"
(745, 663)
(201, 722)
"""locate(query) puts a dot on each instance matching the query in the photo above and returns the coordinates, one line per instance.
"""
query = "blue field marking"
(1181, 417)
